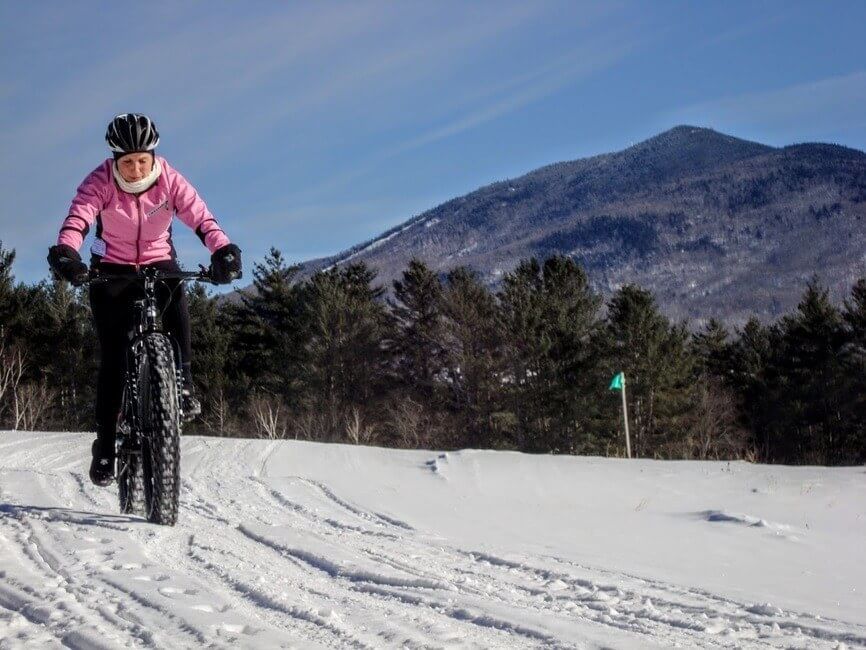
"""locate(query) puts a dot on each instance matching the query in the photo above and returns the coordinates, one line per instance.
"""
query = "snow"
(373, 245)
(463, 251)
(298, 544)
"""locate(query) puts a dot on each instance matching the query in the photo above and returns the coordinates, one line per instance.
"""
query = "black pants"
(112, 303)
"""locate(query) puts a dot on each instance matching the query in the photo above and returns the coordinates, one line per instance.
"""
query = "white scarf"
(140, 186)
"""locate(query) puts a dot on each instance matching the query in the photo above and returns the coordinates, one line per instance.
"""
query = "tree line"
(442, 361)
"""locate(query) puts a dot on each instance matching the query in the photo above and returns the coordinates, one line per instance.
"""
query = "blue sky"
(314, 126)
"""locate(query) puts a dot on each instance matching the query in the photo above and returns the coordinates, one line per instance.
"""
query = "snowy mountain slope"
(292, 544)
(714, 225)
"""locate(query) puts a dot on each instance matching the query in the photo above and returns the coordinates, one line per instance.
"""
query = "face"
(135, 166)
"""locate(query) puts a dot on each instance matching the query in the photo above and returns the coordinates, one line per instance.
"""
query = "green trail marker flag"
(618, 383)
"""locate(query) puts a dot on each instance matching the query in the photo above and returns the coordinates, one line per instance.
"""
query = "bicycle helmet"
(131, 133)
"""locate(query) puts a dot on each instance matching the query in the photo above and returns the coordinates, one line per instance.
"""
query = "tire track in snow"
(210, 563)
(251, 595)
(190, 560)
(278, 507)
(379, 587)
(632, 610)
(348, 596)
(65, 601)
(273, 497)
(762, 614)
(423, 595)
(373, 517)
(24, 457)
(707, 615)
(140, 611)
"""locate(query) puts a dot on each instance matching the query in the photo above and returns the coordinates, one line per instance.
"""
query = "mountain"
(297, 544)
(714, 225)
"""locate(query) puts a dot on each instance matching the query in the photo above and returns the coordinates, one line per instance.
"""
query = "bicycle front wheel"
(159, 417)
(130, 482)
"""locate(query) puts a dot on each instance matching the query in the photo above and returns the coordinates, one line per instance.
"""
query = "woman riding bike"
(132, 198)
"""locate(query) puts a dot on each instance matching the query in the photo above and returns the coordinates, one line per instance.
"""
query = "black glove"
(225, 264)
(65, 263)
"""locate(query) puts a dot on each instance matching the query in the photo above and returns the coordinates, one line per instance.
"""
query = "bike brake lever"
(205, 273)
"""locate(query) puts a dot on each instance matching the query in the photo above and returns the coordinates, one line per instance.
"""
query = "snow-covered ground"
(293, 544)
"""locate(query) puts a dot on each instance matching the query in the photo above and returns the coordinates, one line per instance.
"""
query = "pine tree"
(803, 381)
(267, 347)
(345, 364)
(659, 368)
(14, 299)
(211, 346)
(7, 286)
(71, 367)
(474, 365)
(417, 326)
(550, 317)
(852, 438)
(750, 354)
(712, 349)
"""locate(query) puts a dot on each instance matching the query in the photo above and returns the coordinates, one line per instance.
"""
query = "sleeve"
(192, 211)
(88, 202)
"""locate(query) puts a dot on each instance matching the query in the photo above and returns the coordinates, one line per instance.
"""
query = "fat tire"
(130, 482)
(159, 418)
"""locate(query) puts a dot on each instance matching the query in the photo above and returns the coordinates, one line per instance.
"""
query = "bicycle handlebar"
(202, 275)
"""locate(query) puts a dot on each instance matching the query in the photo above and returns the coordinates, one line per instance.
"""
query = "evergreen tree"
(50, 322)
(474, 364)
(550, 318)
(853, 381)
(417, 326)
(750, 354)
(803, 381)
(7, 289)
(16, 300)
(66, 330)
(211, 346)
(267, 344)
(659, 368)
(345, 364)
(712, 349)
(448, 363)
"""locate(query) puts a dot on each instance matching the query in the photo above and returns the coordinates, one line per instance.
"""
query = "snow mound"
(745, 520)
(438, 465)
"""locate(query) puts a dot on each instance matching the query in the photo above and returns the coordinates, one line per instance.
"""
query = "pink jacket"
(136, 229)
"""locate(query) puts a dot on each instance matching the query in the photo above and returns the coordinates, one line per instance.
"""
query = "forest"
(441, 361)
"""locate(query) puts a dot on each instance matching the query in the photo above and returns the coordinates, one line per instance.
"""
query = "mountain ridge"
(670, 213)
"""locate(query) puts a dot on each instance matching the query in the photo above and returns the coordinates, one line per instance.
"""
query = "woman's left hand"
(226, 264)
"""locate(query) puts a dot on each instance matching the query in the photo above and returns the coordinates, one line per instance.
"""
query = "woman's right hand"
(65, 262)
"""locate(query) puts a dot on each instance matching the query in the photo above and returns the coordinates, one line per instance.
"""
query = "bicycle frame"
(149, 424)
(145, 322)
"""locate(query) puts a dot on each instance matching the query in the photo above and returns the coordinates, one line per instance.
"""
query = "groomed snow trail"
(274, 549)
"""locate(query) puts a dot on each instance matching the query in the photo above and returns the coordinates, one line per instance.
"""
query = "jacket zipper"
(138, 239)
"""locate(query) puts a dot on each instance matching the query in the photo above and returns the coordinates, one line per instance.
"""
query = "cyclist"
(133, 198)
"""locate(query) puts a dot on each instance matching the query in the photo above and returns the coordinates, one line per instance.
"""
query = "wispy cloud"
(799, 110)
(592, 57)
(187, 72)
(505, 96)
(395, 53)
(749, 28)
